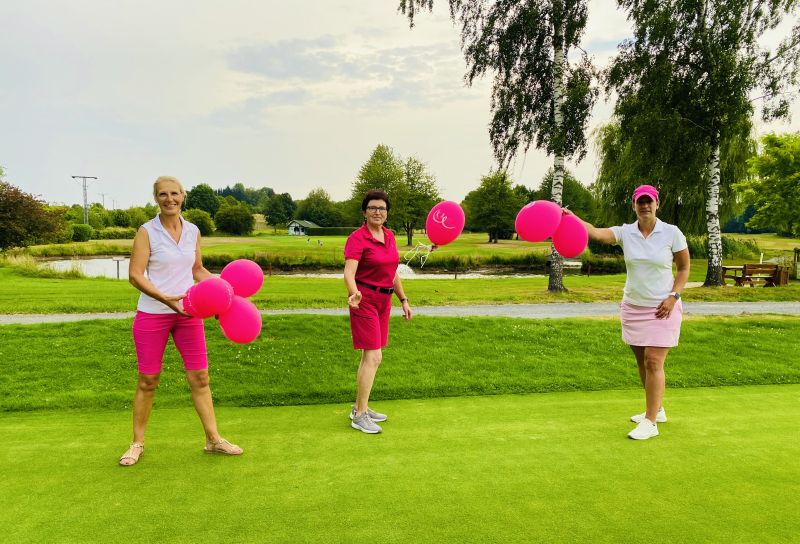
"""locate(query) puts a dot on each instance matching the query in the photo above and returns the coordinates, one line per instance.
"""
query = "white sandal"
(134, 452)
(224, 447)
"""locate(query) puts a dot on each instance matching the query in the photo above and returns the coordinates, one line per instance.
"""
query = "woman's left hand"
(406, 310)
(665, 308)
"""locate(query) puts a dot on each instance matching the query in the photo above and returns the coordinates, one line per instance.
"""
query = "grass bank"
(304, 359)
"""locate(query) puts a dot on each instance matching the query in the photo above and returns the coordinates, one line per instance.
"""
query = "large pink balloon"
(571, 237)
(242, 322)
(187, 303)
(211, 296)
(445, 222)
(245, 276)
(538, 220)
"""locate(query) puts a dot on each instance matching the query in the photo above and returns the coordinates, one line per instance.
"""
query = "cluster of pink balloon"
(539, 220)
(445, 222)
(225, 297)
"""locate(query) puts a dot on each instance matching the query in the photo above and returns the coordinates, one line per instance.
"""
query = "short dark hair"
(375, 194)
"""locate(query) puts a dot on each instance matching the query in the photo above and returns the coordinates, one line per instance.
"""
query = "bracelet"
(404, 299)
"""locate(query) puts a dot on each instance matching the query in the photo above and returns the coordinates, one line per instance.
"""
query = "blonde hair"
(165, 179)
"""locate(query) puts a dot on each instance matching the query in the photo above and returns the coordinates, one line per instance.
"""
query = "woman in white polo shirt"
(651, 309)
(167, 248)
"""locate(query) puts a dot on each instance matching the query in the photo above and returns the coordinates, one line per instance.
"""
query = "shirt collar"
(368, 235)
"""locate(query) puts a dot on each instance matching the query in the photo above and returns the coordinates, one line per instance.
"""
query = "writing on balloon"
(440, 218)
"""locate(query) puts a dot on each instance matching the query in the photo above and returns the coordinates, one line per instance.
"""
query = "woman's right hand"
(173, 302)
(354, 300)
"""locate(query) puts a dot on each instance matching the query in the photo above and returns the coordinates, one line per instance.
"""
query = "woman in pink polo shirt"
(167, 248)
(370, 274)
(651, 309)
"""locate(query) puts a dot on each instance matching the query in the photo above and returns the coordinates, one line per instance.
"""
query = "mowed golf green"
(527, 468)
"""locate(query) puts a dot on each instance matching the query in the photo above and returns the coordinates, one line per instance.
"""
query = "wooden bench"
(758, 273)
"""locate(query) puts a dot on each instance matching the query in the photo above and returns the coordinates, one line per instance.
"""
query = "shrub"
(116, 233)
(82, 232)
(235, 220)
(731, 247)
(202, 219)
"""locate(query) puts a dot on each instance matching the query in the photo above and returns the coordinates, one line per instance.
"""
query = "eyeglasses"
(374, 209)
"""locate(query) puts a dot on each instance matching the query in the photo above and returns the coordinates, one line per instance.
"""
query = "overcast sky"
(290, 95)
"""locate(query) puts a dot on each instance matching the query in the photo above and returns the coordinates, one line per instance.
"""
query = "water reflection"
(101, 267)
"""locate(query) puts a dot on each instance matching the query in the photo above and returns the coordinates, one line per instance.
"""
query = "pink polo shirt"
(377, 261)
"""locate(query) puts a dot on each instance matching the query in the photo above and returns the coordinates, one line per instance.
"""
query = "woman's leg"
(638, 352)
(655, 382)
(203, 403)
(370, 361)
(143, 404)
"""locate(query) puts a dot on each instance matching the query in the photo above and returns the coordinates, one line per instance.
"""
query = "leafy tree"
(539, 97)
(235, 219)
(25, 219)
(685, 81)
(138, 217)
(279, 210)
(202, 219)
(774, 191)
(411, 189)
(493, 206)
(413, 198)
(98, 216)
(318, 208)
(120, 218)
(202, 197)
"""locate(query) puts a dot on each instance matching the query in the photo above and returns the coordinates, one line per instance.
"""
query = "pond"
(117, 268)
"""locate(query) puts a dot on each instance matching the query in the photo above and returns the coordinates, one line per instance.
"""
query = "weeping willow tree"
(539, 98)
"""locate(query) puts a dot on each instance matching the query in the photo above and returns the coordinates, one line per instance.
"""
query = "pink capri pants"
(151, 332)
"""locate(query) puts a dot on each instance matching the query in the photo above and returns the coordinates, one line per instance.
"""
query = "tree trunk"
(410, 234)
(714, 272)
(556, 281)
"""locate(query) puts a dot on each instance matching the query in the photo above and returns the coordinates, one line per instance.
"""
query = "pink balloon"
(245, 276)
(187, 303)
(445, 222)
(571, 237)
(242, 322)
(211, 296)
(538, 220)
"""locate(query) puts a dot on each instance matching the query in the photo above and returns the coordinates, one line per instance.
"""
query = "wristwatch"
(676, 294)
(404, 299)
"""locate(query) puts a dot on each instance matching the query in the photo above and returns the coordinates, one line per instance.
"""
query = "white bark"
(713, 276)
(556, 277)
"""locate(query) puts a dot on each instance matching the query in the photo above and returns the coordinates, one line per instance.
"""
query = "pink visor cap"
(642, 190)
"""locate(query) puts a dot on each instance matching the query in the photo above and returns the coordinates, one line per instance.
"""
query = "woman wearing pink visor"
(651, 309)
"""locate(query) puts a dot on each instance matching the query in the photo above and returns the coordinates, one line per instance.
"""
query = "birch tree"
(539, 97)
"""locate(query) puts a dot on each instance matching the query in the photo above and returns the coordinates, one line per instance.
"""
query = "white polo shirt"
(170, 264)
(649, 261)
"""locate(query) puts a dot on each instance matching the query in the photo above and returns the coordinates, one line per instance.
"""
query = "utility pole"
(103, 196)
(85, 203)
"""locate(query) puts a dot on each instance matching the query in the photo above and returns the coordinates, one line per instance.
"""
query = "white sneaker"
(661, 416)
(644, 430)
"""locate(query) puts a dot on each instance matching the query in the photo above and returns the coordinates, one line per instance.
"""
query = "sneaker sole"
(638, 420)
(362, 429)
(373, 419)
(642, 438)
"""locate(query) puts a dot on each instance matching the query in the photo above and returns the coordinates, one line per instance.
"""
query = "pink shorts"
(370, 323)
(641, 327)
(151, 332)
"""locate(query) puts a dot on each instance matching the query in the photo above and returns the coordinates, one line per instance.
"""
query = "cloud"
(335, 72)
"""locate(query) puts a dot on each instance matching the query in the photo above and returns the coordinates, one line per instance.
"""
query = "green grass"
(506, 469)
(304, 359)
(20, 293)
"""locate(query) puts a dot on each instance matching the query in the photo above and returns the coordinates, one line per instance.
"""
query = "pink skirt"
(640, 327)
